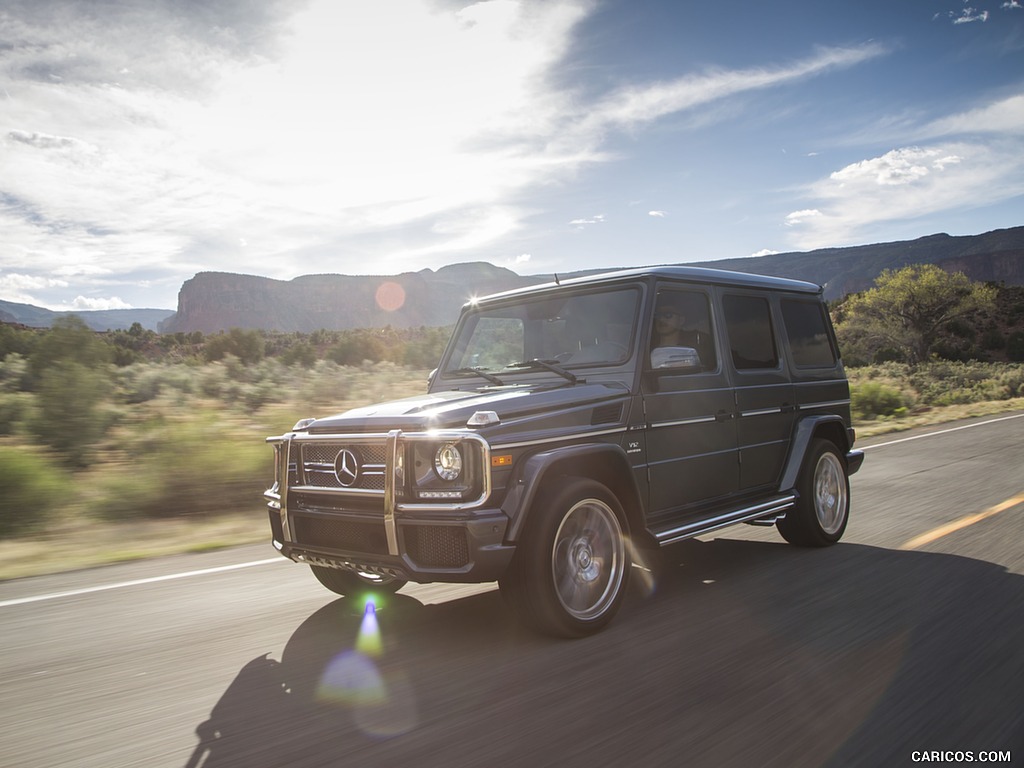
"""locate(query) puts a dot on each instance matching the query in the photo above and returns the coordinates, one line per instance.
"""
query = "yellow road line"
(944, 530)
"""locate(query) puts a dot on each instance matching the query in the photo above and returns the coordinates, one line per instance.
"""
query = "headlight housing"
(446, 471)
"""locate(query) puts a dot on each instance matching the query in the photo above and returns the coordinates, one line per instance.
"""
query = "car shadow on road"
(727, 652)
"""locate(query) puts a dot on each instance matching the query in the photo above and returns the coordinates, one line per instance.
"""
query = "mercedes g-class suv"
(570, 426)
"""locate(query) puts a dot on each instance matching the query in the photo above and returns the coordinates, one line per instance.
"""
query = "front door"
(689, 407)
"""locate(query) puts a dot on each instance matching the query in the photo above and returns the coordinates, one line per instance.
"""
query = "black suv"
(568, 427)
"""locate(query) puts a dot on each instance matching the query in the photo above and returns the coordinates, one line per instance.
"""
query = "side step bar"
(765, 513)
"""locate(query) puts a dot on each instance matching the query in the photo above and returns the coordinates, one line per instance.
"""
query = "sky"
(144, 141)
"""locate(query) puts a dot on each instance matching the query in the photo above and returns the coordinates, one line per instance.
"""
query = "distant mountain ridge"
(98, 319)
(216, 301)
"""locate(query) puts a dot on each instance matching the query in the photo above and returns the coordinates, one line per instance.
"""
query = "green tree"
(247, 346)
(69, 340)
(912, 310)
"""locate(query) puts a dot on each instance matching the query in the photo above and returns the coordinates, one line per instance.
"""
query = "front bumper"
(469, 550)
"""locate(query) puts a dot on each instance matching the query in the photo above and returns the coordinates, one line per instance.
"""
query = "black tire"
(571, 568)
(822, 510)
(353, 584)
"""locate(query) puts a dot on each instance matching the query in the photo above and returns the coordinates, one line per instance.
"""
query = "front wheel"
(569, 574)
(821, 512)
(353, 584)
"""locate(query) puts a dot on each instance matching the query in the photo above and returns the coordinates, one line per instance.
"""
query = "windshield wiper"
(478, 372)
(547, 365)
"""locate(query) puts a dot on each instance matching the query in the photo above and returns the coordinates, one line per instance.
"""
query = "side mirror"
(677, 358)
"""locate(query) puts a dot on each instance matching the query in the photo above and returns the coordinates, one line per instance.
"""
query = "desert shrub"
(139, 383)
(15, 411)
(71, 416)
(13, 371)
(180, 469)
(31, 490)
(212, 380)
(301, 354)
(872, 399)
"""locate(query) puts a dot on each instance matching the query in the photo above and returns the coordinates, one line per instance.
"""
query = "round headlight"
(448, 462)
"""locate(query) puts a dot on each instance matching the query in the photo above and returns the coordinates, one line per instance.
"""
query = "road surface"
(736, 649)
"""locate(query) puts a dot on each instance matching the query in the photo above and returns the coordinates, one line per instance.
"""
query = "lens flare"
(390, 296)
(353, 679)
(382, 702)
(369, 642)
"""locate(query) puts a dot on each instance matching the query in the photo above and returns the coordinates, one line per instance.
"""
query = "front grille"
(322, 466)
(343, 535)
(437, 546)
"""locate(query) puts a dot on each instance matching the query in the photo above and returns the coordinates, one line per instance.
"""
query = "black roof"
(703, 275)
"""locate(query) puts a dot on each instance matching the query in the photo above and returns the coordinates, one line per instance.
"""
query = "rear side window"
(809, 338)
(748, 320)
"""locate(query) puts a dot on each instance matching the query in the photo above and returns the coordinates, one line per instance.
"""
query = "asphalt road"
(736, 649)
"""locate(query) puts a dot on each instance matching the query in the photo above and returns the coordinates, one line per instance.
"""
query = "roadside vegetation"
(127, 444)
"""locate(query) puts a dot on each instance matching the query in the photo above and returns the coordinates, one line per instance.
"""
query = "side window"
(807, 330)
(682, 320)
(748, 320)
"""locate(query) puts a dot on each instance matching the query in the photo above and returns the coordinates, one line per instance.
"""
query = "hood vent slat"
(606, 414)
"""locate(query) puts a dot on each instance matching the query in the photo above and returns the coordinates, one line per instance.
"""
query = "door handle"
(723, 416)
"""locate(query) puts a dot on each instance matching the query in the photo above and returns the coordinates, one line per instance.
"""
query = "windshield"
(568, 330)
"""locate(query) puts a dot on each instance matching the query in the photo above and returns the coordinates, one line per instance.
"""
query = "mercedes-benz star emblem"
(346, 467)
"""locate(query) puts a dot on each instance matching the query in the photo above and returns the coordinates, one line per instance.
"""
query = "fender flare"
(527, 482)
(805, 431)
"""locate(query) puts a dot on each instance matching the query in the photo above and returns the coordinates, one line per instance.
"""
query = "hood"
(451, 409)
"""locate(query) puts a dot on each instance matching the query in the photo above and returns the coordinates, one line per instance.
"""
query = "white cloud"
(1005, 116)
(764, 252)
(968, 15)
(86, 304)
(22, 289)
(657, 214)
(899, 167)
(799, 217)
(587, 222)
(975, 158)
(908, 183)
(639, 104)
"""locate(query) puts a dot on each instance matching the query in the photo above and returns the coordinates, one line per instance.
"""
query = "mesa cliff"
(217, 301)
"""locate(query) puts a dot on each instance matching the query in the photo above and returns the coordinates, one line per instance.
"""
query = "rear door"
(764, 397)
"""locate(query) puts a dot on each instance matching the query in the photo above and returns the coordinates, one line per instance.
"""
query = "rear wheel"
(822, 511)
(571, 567)
(353, 583)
